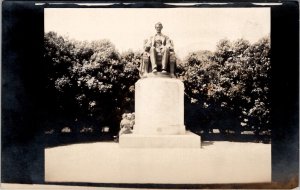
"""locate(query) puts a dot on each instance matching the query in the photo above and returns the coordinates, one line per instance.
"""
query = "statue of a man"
(160, 49)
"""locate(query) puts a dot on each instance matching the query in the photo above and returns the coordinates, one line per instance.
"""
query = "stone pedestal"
(159, 106)
(159, 116)
(187, 140)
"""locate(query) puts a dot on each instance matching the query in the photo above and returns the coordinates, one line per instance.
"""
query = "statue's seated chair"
(146, 66)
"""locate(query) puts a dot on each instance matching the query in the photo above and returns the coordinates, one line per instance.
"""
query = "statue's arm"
(148, 44)
(121, 124)
(169, 43)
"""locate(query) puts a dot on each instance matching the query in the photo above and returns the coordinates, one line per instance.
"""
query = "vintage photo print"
(150, 95)
(159, 81)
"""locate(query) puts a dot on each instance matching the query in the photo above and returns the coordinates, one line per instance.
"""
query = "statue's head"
(129, 116)
(158, 27)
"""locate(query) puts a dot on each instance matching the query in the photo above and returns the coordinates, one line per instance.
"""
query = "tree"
(93, 84)
(231, 85)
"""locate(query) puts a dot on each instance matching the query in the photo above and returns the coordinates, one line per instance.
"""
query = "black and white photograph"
(185, 94)
(152, 97)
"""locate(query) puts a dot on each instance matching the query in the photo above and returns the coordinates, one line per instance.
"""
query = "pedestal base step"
(188, 140)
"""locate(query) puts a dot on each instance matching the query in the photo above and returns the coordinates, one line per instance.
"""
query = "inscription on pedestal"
(159, 106)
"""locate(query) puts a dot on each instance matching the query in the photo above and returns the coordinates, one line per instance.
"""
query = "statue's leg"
(172, 64)
(145, 64)
(164, 61)
(141, 69)
(153, 59)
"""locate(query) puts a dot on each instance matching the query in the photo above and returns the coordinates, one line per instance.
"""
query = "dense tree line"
(92, 84)
(230, 88)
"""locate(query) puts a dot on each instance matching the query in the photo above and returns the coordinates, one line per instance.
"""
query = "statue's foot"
(154, 71)
(164, 71)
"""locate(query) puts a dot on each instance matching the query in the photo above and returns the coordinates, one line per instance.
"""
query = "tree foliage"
(93, 84)
(231, 84)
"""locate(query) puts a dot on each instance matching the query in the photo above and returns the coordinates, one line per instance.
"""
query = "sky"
(191, 29)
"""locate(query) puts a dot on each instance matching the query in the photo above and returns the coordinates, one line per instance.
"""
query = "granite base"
(188, 140)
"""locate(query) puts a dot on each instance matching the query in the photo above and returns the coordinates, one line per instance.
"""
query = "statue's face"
(158, 28)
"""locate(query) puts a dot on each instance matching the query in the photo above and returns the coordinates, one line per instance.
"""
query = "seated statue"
(159, 55)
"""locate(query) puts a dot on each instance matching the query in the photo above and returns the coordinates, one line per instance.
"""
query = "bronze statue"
(159, 55)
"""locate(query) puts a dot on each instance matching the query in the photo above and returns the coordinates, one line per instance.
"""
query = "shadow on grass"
(61, 139)
(207, 143)
(235, 137)
(53, 140)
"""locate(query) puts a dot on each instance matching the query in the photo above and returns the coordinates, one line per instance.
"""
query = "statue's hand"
(147, 48)
(169, 47)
